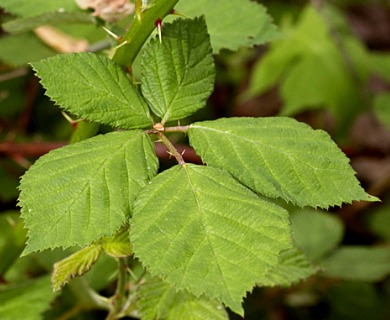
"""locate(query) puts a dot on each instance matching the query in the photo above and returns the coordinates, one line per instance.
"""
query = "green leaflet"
(279, 158)
(158, 300)
(77, 194)
(95, 88)
(234, 23)
(75, 265)
(201, 230)
(178, 74)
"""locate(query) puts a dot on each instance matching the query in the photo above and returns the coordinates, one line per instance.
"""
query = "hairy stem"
(171, 148)
(140, 29)
(177, 129)
(120, 294)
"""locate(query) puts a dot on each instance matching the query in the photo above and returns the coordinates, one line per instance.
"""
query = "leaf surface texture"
(279, 158)
(159, 300)
(178, 74)
(203, 231)
(76, 194)
(95, 88)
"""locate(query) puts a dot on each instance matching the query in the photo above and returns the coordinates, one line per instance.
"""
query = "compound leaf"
(234, 23)
(178, 74)
(211, 235)
(159, 300)
(75, 265)
(77, 194)
(279, 158)
(95, 88)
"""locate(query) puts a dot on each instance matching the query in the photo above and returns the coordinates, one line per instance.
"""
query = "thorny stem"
(167, 129)
(177, 129)
(138, 9)
(171, 148)
(140, 30)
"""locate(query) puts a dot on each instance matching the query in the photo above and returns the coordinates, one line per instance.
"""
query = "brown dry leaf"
(60, 41)
(108, 10)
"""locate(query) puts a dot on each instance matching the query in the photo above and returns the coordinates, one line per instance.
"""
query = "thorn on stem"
(112, 34)
(174, 12)
(70, 120)
(159, 28)
(122, 44)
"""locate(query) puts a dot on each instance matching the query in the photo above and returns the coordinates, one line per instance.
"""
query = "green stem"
(168, 129)
(140, 29)
(177, 129)
(86, 297)
(171, 148)
(120, 294)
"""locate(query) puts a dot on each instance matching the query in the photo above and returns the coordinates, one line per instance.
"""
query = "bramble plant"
(204, 234)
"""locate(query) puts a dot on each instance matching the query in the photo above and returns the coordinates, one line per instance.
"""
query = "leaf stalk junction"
(159, 129)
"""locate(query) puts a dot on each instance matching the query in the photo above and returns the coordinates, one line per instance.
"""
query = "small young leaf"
(95, 88)
(211, 235)
(75, 265)
(178, 74)
(77, 194)
(234, 23)
(279, 158)
(118, 246)
(158, 300)
(293, 266)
